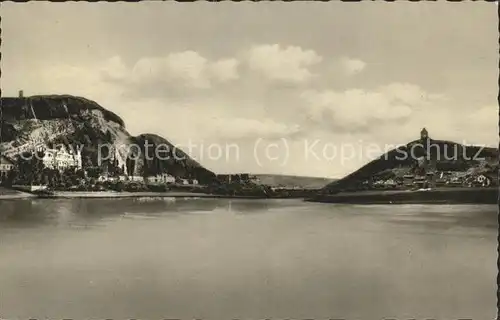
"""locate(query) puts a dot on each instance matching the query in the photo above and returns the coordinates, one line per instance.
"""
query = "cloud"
(409, 93)
(225, 70)
(352, 66)
(179, 69)
(357, 109)
(284, 64)
(114, 68)
(482, 125)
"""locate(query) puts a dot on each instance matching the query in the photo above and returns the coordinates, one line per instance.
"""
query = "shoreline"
(17, 196)
(126, 194)
(11, 194)
(434, 196)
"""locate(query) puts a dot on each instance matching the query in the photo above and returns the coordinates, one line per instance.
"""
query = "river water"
(245, 259)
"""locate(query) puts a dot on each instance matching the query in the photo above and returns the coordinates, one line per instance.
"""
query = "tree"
(131, 166)
(31, 168)
(94, 172)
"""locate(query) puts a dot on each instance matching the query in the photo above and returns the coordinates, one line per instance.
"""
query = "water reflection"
(252, 259)
(439, 217)
(31, 213)
(23, 213)
(89, 212)
(248, 206)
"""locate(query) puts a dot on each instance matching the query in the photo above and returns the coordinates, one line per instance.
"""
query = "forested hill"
(442, 156)
(28, 122)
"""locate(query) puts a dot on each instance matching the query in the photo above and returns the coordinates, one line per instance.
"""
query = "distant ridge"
(277, 180)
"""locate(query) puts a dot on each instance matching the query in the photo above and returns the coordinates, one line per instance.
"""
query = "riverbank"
(434, 196)
(126, 194)
(10, 194)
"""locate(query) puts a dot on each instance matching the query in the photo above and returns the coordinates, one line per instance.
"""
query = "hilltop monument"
(424, 134)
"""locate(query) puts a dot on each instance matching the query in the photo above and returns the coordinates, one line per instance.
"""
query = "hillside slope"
(442, 155)
(276, 180)
(161, 156)
(46, 120)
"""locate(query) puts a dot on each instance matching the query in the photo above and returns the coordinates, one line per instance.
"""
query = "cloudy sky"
(305, 88)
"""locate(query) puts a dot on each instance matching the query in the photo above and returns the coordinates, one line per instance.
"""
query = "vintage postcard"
(249, 160)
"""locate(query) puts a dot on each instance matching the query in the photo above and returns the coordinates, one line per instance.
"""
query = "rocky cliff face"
(35, 121)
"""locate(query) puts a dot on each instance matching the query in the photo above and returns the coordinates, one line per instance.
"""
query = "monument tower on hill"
(424, 134)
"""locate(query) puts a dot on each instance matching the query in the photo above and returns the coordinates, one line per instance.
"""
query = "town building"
(456, 181)
(420, 182)
(183, 181)
(135, 178)
(390, 183)
(6, 166)
(161, 179)
(408, 180)
(254, 179)
(235, 178)
(61, 158)
(107, 178)
(431, 179)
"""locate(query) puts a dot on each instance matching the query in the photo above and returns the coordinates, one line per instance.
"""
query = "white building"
(161, 179)
(61, 158)
(254, 179)
(106, 178)
(390, 182)
(183, 181)
(6, 165)
(135, 178)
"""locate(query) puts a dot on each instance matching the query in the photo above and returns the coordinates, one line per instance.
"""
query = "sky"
(313, 89)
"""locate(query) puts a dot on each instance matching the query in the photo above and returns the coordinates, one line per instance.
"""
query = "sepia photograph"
(259, 160)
